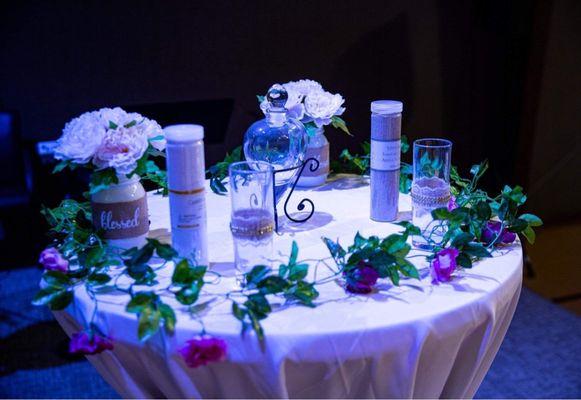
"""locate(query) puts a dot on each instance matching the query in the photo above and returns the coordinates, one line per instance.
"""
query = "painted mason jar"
(318, 147)
(120, 212)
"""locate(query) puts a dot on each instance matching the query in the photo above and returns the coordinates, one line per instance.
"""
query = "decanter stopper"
(276, 98)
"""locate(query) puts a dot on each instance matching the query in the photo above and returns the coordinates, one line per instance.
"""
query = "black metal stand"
(301, 206)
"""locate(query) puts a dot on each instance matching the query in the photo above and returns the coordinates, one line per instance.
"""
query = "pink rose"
(204, 350)
(51, 259)
(120, 149)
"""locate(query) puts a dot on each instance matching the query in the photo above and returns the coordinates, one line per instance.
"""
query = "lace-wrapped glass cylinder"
(431, 187)
(277, 139)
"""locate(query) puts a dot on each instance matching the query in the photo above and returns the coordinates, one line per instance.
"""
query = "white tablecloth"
(416, 340)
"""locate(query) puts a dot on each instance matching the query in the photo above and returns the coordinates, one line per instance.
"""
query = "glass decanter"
(277, 139)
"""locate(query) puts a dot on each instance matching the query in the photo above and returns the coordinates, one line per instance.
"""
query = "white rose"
(321, 106)
(116, 115)
(147, 127)
(81, 138)
(121, 148)
(153, 132)
(305, 86)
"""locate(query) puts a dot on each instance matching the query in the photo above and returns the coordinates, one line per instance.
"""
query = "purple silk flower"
(203, 350)
(362, 279)
(51, 259)
(89, 343)
(442, 267)
(494, 229)
(452, 203)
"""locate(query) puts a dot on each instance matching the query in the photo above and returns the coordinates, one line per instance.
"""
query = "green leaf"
(529, 234)
(189, 295)
(56, 279)
(404, 144)
(94, 256)
(339, 123)
(441, 214)
(394, 276)
(218, 187)
(149, 319)
(102, 179)
(532, 220)
(140, 301)
(113, 125)
(359, 240)
(255, 323)
(258, 305)
(298, 272)
(142, 273)
(164, 251)
(462, 239)
(503, 209)
(139, 256)
(61, 301)
(168, 316)
(483, 210)
(239, 312)
(393, 243)
(410, 229)
(272, 284)
(337, 252)
(476, 250)
(218, 172)
(60, 166)
(257, 273)
(518, 225)
(407, 268)
(182, 274)
(464, 260)
(303, 293)
(130, 124)
(98, 279)
(401, 253)
(405, 178)
(46, 295)
(294, 253)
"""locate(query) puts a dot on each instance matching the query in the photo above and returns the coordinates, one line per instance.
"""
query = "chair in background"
(18, 233)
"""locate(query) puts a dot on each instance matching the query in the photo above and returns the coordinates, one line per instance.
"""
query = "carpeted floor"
(540, 357)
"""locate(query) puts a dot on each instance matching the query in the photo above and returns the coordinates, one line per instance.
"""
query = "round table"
(416, 340)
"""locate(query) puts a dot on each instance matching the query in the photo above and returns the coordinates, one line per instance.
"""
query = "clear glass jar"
(430, 187)
(120, 211)
(317, 148)
(277, 140)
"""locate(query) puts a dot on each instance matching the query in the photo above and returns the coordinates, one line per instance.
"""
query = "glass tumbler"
(252, 218)
(430, 187)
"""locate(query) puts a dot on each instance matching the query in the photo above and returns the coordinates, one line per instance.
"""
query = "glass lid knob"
(276, 97)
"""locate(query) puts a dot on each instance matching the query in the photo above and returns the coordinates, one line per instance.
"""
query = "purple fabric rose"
(89, 343)
(442, 267)
(362, 279)
(204, 350)
(51, 259)
(493, 229)
(452, 203)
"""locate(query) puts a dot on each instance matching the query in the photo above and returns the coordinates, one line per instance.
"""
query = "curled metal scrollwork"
(313, 164)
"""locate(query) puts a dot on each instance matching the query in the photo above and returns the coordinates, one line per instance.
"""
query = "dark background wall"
(501, 79)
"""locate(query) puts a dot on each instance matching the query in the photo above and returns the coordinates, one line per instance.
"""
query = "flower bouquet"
(116, 146)
(112, 143)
